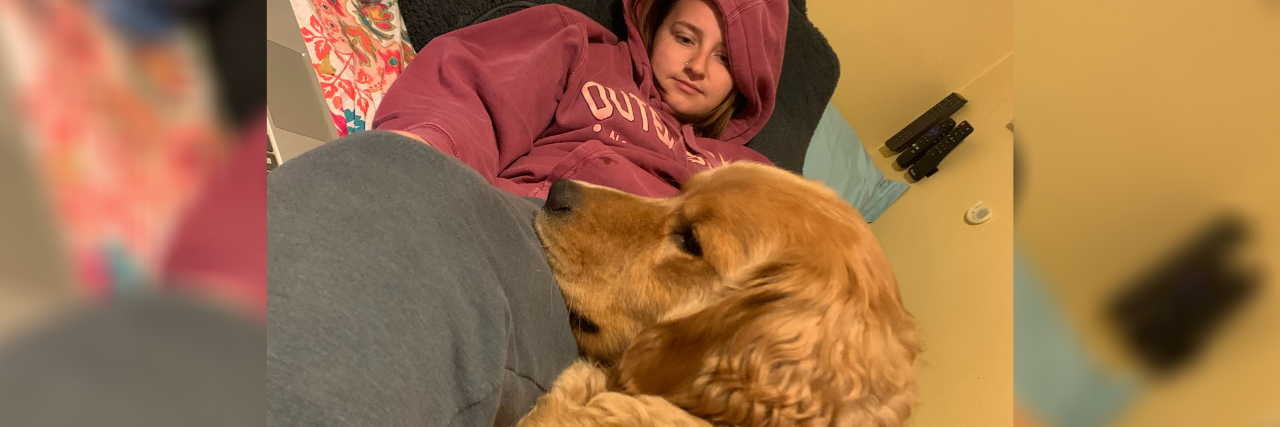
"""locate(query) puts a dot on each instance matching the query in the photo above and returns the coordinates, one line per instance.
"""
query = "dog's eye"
(688, 241)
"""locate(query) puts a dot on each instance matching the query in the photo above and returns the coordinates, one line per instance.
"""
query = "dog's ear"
(800, 341)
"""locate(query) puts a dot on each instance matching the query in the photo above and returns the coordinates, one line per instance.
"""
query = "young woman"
(547, 93)
(406, 289)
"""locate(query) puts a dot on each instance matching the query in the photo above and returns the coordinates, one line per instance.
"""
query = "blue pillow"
(1054, 376)
(837, 158)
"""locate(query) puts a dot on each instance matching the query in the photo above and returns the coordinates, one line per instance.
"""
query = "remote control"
(944, 108)
(925, 142)
(928, 164)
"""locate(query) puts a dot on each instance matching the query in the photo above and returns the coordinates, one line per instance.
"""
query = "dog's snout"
(562, 197)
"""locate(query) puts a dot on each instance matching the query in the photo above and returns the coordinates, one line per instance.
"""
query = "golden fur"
(754, 298)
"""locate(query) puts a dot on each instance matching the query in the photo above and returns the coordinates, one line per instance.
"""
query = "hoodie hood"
(755, 33)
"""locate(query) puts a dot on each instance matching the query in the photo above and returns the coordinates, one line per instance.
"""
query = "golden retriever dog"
(754, 298)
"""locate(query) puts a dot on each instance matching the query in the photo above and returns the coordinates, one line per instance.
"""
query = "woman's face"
(690, 63)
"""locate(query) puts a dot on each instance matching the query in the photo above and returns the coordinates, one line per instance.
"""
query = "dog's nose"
(562, 196)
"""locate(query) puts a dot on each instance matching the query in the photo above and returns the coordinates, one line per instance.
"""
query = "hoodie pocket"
(577, 159)
(596, 163)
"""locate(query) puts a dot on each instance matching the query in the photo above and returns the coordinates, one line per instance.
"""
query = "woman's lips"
(687, 87)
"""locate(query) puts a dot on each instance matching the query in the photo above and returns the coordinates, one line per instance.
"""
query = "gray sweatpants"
(404, 291)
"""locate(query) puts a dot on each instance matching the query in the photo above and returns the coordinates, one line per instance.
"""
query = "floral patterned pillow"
(357, 49)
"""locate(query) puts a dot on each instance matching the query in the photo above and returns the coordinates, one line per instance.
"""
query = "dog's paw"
(565, 404)
(578, 383)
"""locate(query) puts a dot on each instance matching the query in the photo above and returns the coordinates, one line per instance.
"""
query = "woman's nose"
(697, 66)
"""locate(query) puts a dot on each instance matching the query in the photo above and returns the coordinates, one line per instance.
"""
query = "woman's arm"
(483, 93)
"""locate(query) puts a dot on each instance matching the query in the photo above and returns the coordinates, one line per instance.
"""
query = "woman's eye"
(724, 59)
(684, 40)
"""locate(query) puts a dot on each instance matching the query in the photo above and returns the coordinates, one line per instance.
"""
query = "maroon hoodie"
(547, 93)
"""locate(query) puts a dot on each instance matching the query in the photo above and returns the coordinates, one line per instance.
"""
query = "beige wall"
(898, 59)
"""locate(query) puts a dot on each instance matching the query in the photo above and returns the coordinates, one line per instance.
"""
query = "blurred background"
(1147, 207)
(120, 118)
(132, 268)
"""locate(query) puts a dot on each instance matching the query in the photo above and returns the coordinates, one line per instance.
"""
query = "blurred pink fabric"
(220, 247)
(124, 133)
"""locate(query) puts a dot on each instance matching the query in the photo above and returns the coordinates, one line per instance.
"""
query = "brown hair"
(648, 16)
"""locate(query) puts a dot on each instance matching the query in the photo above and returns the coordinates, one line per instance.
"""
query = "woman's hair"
(648, 16)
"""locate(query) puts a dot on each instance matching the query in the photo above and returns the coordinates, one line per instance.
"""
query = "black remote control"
(925, 142)
(944, 108)
(928, 165)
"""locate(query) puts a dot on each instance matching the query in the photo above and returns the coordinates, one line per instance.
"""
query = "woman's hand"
(409, 134)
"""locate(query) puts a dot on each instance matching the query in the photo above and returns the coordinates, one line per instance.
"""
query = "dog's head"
(755, 297)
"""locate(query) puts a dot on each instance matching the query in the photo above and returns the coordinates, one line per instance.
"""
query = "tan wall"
(897, 60)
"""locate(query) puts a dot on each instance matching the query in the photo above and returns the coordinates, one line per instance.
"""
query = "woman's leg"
(404, 290)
